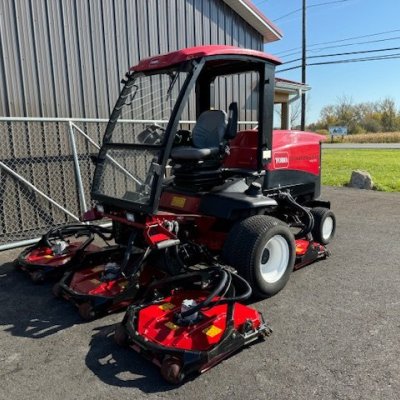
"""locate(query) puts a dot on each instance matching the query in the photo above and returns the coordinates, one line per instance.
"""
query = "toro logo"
(281, 160)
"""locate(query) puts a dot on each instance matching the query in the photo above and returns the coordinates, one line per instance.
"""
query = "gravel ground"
(336, 329)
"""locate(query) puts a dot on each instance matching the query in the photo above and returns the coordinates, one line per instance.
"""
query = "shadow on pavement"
(30, 310)
(122, 367)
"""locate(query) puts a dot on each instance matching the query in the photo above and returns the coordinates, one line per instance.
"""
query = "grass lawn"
(383, 165)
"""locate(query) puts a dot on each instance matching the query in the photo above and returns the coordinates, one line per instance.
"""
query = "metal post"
(303, 65)
(81, 190)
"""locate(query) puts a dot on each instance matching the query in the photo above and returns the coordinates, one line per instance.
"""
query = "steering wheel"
(151, 134)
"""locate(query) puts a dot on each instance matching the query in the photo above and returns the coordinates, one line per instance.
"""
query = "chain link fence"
(45, 174)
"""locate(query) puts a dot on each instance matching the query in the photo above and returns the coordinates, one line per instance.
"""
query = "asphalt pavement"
(336, 329)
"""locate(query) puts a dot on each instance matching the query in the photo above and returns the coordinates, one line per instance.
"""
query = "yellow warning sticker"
(166, 306)
(178, 201)
(95, 281)
(48, 257)
(212, 331)
(171, 326)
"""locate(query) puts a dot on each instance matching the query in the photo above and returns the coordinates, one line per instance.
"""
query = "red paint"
(168, 60)
(44, 256)
(303, 150)
(293, 150)
(302, 246)
(88, 281)
(155, 233)
(159, 326)
(243, 151)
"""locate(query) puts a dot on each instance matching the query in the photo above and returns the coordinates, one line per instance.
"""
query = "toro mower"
(185, 193)
(250, 196)
(63, 248)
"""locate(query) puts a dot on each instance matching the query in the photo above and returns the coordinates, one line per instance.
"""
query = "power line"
(350, 60)
(310, 6)
(345, 45)
(345, 54)
(339, 40)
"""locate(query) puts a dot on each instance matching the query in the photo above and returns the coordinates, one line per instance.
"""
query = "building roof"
(254, 17)
(176, 57)
(287, 86)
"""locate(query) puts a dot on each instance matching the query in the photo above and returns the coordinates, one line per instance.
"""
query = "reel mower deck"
(62, 249)
(191, 330)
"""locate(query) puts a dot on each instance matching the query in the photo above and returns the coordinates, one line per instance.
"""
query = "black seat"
(198, 165)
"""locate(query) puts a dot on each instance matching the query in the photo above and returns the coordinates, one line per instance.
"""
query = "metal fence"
(46, 172)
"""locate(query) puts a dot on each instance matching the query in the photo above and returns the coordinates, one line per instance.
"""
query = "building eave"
(254, 17)
(291, 87)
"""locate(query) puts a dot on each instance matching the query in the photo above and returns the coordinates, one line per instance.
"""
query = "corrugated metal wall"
(65, 58)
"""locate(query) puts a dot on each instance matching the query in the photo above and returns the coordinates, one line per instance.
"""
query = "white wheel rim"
(327, 228)
(274, 259)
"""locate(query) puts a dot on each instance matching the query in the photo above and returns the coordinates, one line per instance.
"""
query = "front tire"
(324, 225)
(263, 251)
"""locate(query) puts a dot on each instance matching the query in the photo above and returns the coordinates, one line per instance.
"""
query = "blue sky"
(361, 81)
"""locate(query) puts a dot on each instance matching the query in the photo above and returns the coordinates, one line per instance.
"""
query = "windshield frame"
(193, 69)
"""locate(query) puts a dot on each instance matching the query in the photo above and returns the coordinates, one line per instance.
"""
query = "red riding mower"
(180, 193)
(63, 248)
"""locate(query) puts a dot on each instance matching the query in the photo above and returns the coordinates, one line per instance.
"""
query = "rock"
(361, 180)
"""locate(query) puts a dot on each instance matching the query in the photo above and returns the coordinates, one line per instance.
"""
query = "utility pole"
(303, 65)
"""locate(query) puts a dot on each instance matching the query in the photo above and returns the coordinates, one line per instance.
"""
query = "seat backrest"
(210, 129)
(231, 129)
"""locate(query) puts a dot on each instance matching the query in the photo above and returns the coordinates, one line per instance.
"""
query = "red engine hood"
(294, 150)
(283, 138)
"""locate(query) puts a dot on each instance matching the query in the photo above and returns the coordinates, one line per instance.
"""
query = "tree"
(388, 114)
(361, 117)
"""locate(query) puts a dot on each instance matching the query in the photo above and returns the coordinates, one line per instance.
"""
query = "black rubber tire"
(244, 248)
(37, 277)
(320, 215)
(86, 311)
(171, 370)
(121, 337)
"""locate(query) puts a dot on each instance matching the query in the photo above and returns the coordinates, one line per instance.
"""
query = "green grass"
(383, 165)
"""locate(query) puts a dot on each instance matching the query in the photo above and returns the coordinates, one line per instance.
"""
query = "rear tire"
(324, 225)
(263, 251)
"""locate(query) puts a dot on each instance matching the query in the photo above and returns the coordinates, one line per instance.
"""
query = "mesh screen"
(128, 174)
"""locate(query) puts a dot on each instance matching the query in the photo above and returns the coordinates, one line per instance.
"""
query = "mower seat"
(198, 167)
(212, 129)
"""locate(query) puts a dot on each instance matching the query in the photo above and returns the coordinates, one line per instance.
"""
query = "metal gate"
(45, 174)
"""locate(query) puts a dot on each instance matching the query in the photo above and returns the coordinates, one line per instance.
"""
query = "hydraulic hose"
(69, 230)
(208, 300)
(308, 224)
